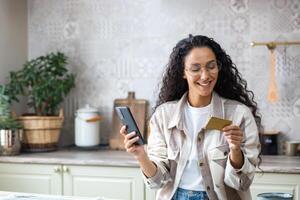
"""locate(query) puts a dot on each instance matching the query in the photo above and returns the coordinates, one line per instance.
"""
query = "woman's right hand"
(129, 140)
(147, 166)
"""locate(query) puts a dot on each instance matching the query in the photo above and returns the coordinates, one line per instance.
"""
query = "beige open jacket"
(169, 146)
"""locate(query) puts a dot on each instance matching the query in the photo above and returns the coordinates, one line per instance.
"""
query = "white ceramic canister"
(87, 127)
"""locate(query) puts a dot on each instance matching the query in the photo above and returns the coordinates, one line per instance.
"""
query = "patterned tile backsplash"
(120, 46)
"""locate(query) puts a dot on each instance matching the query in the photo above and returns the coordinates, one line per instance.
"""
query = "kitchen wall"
(13, 40)
(117, 46)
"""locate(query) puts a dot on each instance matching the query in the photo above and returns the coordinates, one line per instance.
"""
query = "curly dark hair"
(230, 83)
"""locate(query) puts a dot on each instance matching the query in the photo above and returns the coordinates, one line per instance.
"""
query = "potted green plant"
(10, 128)
(45, 81)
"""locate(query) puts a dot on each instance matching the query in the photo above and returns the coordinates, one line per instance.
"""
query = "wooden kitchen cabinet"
(31, 178)
(88, 181)
(276, 182)
(111, 182)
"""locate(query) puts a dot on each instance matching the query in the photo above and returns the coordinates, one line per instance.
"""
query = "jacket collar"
(177, 119)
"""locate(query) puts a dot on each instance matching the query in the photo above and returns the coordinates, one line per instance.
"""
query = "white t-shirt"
(195, 118)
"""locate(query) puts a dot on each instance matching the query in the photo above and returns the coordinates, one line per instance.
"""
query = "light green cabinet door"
(32, 178)
(110, 182)
(276, 182)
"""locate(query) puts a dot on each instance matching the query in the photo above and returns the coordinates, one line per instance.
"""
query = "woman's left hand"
(234, 136)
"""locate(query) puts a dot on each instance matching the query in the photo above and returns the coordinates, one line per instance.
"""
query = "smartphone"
(127, 119)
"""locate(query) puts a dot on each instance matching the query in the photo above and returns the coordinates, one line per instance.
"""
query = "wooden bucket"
(41, 133)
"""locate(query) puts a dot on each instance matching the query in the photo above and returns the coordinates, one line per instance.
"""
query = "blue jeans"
(182, 194)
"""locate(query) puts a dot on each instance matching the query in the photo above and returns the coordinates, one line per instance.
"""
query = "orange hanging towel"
(273, 92)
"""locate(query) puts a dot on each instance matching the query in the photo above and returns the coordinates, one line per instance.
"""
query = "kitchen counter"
(280, 164)
(75, 156)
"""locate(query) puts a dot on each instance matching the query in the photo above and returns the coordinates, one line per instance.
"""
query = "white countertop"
(280, 164)
(74, 156)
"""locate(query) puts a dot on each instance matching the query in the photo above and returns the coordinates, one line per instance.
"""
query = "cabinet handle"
(65, 169)
(56, 169)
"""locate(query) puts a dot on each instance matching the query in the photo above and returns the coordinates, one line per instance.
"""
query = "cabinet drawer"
(276, 182)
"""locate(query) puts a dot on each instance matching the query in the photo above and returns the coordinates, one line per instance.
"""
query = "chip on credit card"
(217, 123)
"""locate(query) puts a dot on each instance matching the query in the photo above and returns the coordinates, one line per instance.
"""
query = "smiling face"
(201, 73)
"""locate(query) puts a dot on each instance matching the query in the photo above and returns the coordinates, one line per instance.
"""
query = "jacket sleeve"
(157, 152)
(241, 179)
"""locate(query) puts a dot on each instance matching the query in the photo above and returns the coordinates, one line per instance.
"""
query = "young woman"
(185, 160)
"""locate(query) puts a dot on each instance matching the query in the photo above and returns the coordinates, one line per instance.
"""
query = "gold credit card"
(217, 123)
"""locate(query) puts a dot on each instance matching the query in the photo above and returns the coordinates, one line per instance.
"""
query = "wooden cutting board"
(138, 108)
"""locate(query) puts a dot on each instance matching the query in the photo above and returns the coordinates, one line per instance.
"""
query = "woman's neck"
(199, 101)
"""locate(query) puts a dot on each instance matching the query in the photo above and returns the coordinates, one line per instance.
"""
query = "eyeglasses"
(211, 67)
